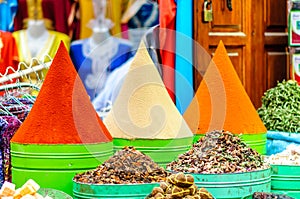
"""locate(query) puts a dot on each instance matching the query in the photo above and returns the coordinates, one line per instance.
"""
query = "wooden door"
(254, 34)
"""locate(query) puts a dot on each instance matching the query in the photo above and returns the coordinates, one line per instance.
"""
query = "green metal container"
(235, 185)
(161, 151)
(54, 166)
(285, 179)
(255, 141)
(117, 191)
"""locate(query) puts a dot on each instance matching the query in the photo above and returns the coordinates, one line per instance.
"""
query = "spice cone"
(62, 112)
(143, 108)
(221, 101)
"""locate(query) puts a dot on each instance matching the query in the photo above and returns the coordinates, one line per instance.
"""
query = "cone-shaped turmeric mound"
(221, 101)
(62, 113)
(143, 108)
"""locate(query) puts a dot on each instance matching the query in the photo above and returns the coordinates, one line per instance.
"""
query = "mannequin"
(94, 58)
(37, 35)
(38, 42)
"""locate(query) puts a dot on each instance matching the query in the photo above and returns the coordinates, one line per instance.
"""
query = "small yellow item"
(7, 189)
(17, 194)
(27, 189)
(32, 183)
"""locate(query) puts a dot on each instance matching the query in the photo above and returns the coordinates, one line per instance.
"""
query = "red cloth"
(9, 52)
(167, 16)
(62, 14)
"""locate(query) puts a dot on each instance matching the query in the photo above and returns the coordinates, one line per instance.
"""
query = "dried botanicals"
(179, 186)
(263, 195)
(218, 152)
(280, 110)
(124, 167)
(290, 156)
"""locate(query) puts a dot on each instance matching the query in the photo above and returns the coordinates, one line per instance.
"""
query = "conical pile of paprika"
(62, 135)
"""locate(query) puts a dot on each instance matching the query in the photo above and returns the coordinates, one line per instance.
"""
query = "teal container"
(254, 141)
(235, 185)
(161, 151)
(285, 179)
(117, 191)
(54, 166)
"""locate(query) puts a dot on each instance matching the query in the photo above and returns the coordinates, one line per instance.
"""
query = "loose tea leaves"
(280, 110)
(124, 167)
(218, 152)
(179, 186)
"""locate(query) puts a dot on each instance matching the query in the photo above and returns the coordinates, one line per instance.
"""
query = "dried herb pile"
(124, 167)
(263, 195)
(280, 110)
(179, 186)
(218, 152)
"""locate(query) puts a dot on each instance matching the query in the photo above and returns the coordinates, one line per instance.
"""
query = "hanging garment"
(50, 48)
(167, 16)
(7, 133)
(141, 20)
(8, 52)
(8, 9)
(59, 15)
(94, 65)
(115, 8)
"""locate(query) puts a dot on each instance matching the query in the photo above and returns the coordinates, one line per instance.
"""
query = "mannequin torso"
(37, 36)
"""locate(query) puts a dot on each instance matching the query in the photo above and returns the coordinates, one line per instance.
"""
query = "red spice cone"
(221, 101)
(62, 113)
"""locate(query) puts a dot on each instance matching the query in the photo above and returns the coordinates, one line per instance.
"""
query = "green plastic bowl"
(255, 141)
(235, 185)
(54, 166)
(116, 191)
(285, 179)
(161, 151)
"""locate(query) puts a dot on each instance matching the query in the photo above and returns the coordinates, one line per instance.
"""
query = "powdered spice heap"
(62, 113)
(222, 101)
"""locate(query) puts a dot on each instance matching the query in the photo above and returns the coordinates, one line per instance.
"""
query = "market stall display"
(285, 176)
(179, 185)
(221, 102)
(280, 112)
(127, 174)
(225, 166)
(62, 134)
(144, 116)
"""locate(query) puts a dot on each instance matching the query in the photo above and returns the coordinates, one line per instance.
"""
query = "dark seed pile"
(177, 186)
(263, 195)
(218, 152)
(124, 167)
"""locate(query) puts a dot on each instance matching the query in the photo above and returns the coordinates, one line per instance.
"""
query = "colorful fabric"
(8, 52)
(93, 66)
(8, 10)
(167, 18)
(59, 15)
(6, 134)
(49, 49)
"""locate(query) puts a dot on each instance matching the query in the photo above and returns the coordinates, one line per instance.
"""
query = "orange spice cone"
(221, 101)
